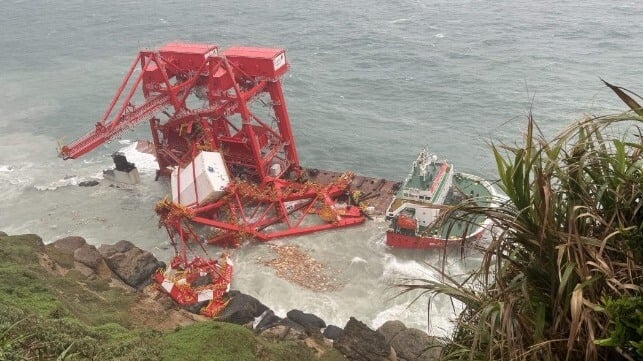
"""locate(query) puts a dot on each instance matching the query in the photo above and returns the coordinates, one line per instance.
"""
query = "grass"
(227, 342)
(566, 246)
(45, 317)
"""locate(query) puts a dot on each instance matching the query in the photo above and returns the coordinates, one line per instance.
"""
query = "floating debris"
(296, 266)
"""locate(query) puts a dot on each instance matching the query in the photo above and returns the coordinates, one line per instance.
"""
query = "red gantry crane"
(221, 132)
(221, 114)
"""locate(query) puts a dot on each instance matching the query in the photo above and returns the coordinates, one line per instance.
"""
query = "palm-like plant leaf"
(571, 235)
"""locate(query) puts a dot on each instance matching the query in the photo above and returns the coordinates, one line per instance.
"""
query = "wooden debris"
(296, 266)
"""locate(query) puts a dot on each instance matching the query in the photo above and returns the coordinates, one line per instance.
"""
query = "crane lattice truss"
(197, 99)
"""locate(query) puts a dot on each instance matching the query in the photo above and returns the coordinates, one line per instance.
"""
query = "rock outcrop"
(133, 265)
(130, 267)
(241, 309)
(312, 323)
(410, 344)
(359, 342)
(268, 320)
(332, 332)
(70, 243)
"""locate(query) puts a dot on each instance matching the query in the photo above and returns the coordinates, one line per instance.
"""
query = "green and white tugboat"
(416, 211)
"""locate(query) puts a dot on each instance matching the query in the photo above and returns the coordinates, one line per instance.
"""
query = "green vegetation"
(228, 342)
(62, 315)
(562, 276)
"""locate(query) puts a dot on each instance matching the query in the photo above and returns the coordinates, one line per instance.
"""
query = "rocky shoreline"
(125, 266)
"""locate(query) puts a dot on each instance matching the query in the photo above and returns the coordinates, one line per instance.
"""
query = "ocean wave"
(397, 312)
(145, 162)
(395, 269)
(63, 182)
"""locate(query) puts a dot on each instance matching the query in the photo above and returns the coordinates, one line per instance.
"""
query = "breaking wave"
(145, 162)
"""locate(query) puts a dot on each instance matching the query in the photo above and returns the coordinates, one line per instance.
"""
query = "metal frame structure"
(197, 98)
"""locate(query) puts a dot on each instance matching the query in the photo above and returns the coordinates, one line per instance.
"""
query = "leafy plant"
(568, 236)
(626, 317)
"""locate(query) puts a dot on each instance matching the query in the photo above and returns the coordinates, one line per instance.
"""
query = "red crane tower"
(221, 131)
(221, 113)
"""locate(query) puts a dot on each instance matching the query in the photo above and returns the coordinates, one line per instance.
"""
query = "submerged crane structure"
(221, 131)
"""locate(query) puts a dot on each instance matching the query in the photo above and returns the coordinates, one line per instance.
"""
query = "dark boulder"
(241, 309)
(415, 345)
(108, 250)
(133, 265)
(90, 183)
(284, 332)
(268, 320)
(195, 307)
(2, 234)
(311, 323)
(332, 332)
(292, 324)
(71, 243)
(359, 342)
(390, 329)
(201, 281)
(89, 256)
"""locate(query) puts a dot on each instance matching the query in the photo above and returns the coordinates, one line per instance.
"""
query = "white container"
(203, 180)
(275, 170)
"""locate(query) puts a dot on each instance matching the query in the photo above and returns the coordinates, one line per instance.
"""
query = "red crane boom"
(199, 100)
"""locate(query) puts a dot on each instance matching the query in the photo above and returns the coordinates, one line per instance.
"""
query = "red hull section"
(398, 240)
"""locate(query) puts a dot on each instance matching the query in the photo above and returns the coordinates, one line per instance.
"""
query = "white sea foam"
(358, 260)
(396, 312)
(400, 21)
(63, 182)
(16, 175)
(395, 268)
(145, 162)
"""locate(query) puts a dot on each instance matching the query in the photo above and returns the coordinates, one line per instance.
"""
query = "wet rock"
(195, 307)
(71, 243)
(89, 256)
(108, 250)
(201, 281)
(359, 342)
(414, 345)
(283, 332)
(90, 183)
(311, 323)
(268, 320)
(292, 324)
(390, 329)
(84, 270)
(332, 332)
(133, 265)
(241, 309)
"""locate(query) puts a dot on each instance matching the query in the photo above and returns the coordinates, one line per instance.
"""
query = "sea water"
(370, 84)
